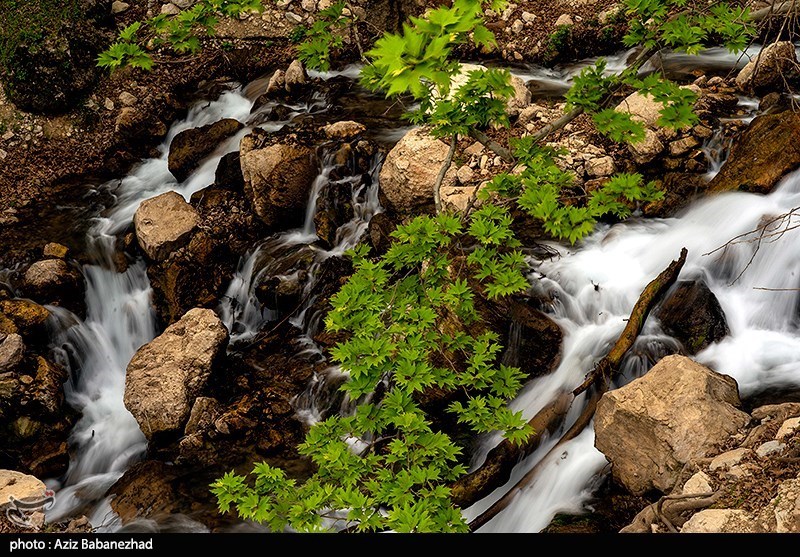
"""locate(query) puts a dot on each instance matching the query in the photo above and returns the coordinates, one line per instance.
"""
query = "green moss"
(559, 40)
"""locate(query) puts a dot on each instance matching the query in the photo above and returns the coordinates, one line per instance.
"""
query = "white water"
(762, 351)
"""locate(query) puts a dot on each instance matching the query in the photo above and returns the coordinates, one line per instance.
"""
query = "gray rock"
(770, 448)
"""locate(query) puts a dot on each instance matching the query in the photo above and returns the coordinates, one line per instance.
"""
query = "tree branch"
(437, 186)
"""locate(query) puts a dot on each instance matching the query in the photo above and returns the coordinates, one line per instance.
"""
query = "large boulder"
(410, 170)
(692, 314)
(642, 108)
(163, 224)
(191, 146)
(21, 487)
(769, 70)
(679, 411)
(54, 281)
(277, 180)
(767, 150)
(166, 375)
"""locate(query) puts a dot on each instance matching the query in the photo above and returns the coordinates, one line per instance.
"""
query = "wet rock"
(48, 388)
(203, 414)
(146, 488)
(766, 151)
(54, 281)
(28, 318)
(682, 146)
(55, 251)
(277, 83)
(648, 436)
(379, 232)
(410, 170)
(344, 130)
(277, 181)
(229, 172)
(535, 341)
(163, 224)
(692, 314)
(12, 351)
(679, 189)
(166, 375)
(774, 102)
(770, 70)
(191, 146)
(137, 126)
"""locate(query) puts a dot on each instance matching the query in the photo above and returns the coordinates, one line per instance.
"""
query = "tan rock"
(295, 76)
(648, 149)
(728, 459)
(682, 146)
(12, 351)
(679, 411)
(787, 507)
(57, 251)
(600, 167)
(698, 483)
(788, 427)
(163, 224)
(768, 69)
(346, 129)
(22, 487)
(564, 19)
(166, 375)
(770, 448)
(642, 108)
(717, 521)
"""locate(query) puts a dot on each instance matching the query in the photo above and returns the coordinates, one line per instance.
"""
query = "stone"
(786, 507)
(691, 313)
(770, 448)
(647, 149)
(728, 459)
(521, 97)
(163, 224)
(346, 129)
(229, 172)
(465, 175)
(517, 26)
(22, 487)
(528, 17)
(682, 146)
(205, 411)
(184, 4)
(170, 9)
(135, 125)
(117, 7)
(54, 281)
(457, 198)
(127, 99)
(277, 180)
(769, 70)
(642, 107)
(293, 17)
(276, 84)
(191, 146)
(55, 251)
(410, 170)
(698, 483)
(12, 352)
(166, 375)
(677, 412)
(717, 521)
(295, 77)
(765, 152)
(600, 167)
(564, 19)
(308, 5)
(787, 429)
(27, 317)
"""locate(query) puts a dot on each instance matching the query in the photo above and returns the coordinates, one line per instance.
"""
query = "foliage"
(385, 467)
(180, 32)
(322, 37)
(558, 40)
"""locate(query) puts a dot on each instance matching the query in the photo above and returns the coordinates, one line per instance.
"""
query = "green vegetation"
(410, 318)
(323, 37)
(558, 40)
(180, 32)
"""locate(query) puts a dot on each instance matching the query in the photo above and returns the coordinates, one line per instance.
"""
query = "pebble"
(293, 17)
(564, 19)
(3, 155)
(126, 99)
(308, 5)
(528, 17)
(170, 9)
(117, 7)
(108, 104)
(8, 135)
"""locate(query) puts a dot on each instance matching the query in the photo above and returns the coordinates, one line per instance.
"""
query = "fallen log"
(498, 465)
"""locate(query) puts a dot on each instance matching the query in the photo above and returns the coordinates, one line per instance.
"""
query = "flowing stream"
(592, 288)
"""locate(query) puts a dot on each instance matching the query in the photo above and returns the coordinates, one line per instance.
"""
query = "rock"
(55, 251)
(717, 521)
(53, 281)
(728, 459)
(648, 149)
(786, 507)
(48, 387)
(521, 97)
(564, 19)
(682, 146)
(770, 448)
(295, 77)
(537, 350)
(28, 318)
(135, 125)
(457, 198)
(191, 146)
(126, 99)
(117, 7)
(167, 374)
(229, 172)
(277, 181)
(346, 129)
(170, 9)
(379, 232)
(12, 351)
(277, 83)
(465, 175)
(517, 26)
(108, 104)
(767, 150)
(787, 429)
(410, 170)
(601, 167)
(204, 411)
(698, 483)
(642, 108)
(647, 432)
(774, 102)
(22, 487)
(769, 70)
(528, 17)
(692, 314)
(184, 4)
(163, 224)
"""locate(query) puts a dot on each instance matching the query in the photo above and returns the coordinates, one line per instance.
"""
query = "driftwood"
(499, 463)
(669, 511)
